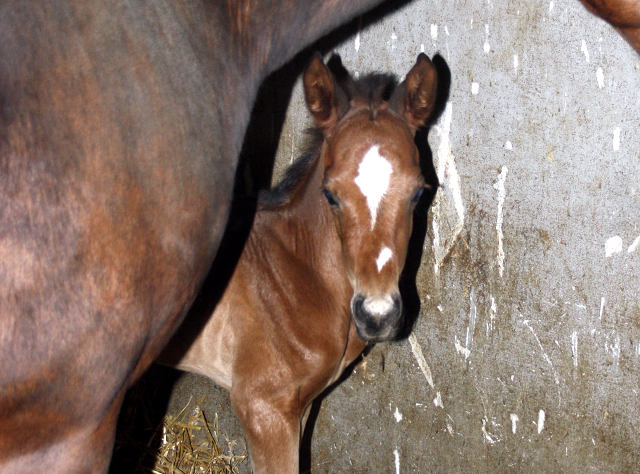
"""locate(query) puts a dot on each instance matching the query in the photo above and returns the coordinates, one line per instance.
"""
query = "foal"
(318, 276)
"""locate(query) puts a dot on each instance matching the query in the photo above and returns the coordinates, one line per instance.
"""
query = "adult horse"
(624, 15)
(318, 276)
(120, 127)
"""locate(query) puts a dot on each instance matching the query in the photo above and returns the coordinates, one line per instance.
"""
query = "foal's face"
(372, 183)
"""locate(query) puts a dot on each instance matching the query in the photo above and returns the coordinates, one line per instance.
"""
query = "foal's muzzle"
(377, 319)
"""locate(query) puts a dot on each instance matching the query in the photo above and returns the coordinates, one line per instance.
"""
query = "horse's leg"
(86, 449)
(272, 429)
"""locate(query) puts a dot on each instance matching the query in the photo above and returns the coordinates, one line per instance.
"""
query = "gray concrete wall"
(525, 357)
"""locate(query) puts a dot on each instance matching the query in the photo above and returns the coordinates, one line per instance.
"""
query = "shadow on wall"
(146, 403)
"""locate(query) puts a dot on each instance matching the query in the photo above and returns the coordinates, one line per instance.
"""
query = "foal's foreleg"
(273, 433)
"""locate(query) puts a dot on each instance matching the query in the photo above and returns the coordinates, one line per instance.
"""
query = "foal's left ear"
(319, 93)
(415, 97)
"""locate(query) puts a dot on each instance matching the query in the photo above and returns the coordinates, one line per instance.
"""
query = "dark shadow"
(408, 288)
(144, 407)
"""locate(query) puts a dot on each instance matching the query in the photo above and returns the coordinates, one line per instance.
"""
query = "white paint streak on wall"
(396, 456)
(491, 439)
(616, 139)
(486, 46)
(383, 258)
(514, 422)
(438, 400)
(541, 418)
(397, 415)
(493, 310)
(473, 312)
(499, 185)
(585, 50)
(544, 354)
(613, 245)
(422, 363)
(600, 77)
(357, 42)
(574, 348)
(615, 350)
(434, 32)
(475, 88)
(602, 302)
(632, 248)
(450, 184)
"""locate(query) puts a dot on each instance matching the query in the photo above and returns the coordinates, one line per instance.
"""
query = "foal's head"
(372, 179)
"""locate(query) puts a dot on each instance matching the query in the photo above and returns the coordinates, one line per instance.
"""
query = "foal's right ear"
(319, 92)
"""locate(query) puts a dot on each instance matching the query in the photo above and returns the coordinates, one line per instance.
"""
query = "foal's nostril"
(377, 319)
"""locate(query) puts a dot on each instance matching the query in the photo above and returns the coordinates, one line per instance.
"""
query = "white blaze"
(383, 258)
(373, 179)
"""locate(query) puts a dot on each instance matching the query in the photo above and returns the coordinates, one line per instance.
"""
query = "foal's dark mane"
(374, 89)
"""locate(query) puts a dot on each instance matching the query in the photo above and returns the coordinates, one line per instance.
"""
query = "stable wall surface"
(526, 353)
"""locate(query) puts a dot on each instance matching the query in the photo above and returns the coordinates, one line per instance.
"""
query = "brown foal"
(318, 277)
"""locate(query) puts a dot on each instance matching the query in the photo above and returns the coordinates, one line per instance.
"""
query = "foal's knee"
(272, 431)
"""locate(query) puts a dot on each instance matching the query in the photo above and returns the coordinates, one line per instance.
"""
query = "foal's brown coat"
(283, 330)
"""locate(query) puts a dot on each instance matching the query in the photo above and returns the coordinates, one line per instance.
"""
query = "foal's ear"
(415, 97)
(319, 92)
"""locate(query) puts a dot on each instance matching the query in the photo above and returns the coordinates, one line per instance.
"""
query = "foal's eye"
(417, 195)
(330, 199)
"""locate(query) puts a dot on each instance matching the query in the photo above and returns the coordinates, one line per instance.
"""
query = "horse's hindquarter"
(113, 193)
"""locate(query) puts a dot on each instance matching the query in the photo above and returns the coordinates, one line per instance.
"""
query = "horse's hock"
(526, 353)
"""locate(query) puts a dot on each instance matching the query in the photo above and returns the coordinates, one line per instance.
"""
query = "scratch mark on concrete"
(450, 182)
(396, 457)
(499, 185)
(515, 62)
(544, 354)
(613, 245)
(397, 415)
(475, 88)
(422, 363)
(602, 302)
(541, 418)
(632, 248)
(514, 422)
(357, 42)
(434, 32)
(574, 348)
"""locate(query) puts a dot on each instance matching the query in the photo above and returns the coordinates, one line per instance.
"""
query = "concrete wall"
(526, 353)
